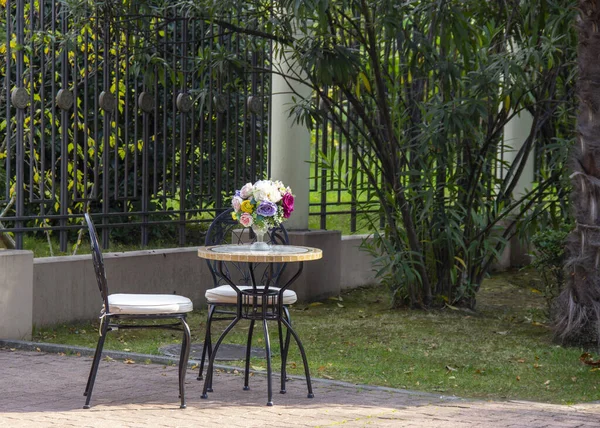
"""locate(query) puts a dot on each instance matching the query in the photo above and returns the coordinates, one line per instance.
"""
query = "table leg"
(304, 360)
(248, 350)
(269, 370)
(211, 361)
(285, 346)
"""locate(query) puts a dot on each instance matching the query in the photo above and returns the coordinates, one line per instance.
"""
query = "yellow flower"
(247, 207)
(233, 214)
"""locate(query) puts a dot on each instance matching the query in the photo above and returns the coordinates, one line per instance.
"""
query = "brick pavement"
(40, 389)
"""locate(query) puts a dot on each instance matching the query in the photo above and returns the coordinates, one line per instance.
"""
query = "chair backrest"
(98, 262)
(225, 230)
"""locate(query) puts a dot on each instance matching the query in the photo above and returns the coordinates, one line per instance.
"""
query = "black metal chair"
(119, 309)
(234, 303)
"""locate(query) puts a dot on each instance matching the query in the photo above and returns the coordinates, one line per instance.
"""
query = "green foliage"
(422, 93)
(549, 260)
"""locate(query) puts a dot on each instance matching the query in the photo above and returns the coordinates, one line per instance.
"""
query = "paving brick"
(46, 390)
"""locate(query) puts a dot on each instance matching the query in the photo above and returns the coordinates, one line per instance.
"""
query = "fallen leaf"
(107, 358)
(327, 377)
(129, 361)
(547, 382)
(78, 354)
(315, 304)
(518, 378)
(521, 360)
(534, 290)
(258, 368)
(195, 366)
(503, 333)
(340, 305)
(450, 369)
(454, 308)
(586, 358)
(574, 378)
(479, 371)
(38, 349)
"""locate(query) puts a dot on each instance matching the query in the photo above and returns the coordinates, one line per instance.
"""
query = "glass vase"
(261, 236)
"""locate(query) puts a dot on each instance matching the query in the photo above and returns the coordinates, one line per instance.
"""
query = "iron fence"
(135, 115)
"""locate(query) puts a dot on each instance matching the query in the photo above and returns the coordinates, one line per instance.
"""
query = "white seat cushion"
(225, 294)
(150, 304)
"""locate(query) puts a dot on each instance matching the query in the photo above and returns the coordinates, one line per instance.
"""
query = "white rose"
(246, 191)
(275, 194)
(261, 190)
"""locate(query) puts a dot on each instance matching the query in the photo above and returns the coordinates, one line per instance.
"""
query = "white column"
(516, 132)
(290, 142)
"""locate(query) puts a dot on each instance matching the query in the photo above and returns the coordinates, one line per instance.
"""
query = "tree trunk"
(577, 319)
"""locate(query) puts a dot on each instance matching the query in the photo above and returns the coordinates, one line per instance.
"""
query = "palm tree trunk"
(577, 317)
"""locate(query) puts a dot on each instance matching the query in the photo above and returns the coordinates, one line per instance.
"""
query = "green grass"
(502, 351)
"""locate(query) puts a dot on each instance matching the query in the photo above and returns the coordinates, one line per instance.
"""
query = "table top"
(275, 253)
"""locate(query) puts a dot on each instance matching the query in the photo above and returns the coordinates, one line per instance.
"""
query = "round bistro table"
(260, 303)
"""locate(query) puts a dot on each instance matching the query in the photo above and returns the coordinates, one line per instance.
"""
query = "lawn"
(502, 351)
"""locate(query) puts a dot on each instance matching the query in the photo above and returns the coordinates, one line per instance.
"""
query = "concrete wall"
(50, 290)
(65, 289)
(356, 264)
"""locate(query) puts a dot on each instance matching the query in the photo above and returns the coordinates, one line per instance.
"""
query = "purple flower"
(287, 203)
(266, 209)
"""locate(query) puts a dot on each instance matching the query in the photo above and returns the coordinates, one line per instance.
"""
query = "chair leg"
(95, 364)
(284, 349)
(87, 386)
(304, 360)
(211, 360)
(269, 370)
(183, 360)
(248, 350)
(206, 346)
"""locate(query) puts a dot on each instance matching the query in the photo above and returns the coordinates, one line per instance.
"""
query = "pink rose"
(236, 203)
(246, 191)
(246, 220)
(287, 202)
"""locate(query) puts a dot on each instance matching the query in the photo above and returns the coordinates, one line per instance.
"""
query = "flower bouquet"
(261, 206)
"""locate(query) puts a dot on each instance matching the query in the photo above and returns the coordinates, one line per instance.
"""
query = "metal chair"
(119, 309)
(234, 303)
